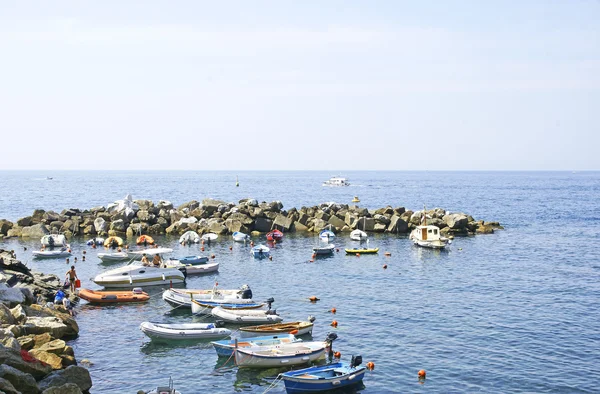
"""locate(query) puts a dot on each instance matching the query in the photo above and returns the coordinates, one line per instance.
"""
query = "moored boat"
(49, 254)
(192, 259)
(326, 235)
(358, 235)
(260, 251)
(138, 254)
(113, 257)
(54, 240)
(336, 181)
(209, 237)
(164, 389)
(145, 240)
(324, 250)
(246, 316)
(428, 236)
(135, 274)
(362, 250)
(284, 354)
(324, 377)
(297, 328)
(205, 307)
(183, 297)
(192, 269)
(225, 347)
(95, 241)
(189, 237)
(274, 235)
(104, 296)
(113, 242)
(240, 237)
(184, 330)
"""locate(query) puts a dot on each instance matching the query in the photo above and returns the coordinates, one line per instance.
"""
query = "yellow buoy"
(355, 199)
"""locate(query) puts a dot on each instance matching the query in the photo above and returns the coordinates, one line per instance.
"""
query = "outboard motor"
(311, 319)
(356, 361)
(219, 323)
(183, 271)
(271, 311)
(246, 292)
(331, 336)
(270, 301)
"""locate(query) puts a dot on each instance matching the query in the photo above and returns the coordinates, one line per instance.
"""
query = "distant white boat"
(358, 235)
(189, 237)
(428, 236)
(184, 330)
(240, 237)
(49, 254)
(53, 240)
(210, 237)
(113, 257)
(135, 274)
(336, 181)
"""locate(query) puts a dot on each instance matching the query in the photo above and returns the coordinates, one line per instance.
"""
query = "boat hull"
(183, 331)
(50, 254)
(247, 316)
(106, 297)
(298, 328)
(363, 251)
(278, 355)
(205, 307)
(135, 275)
(322, 378)
(182, 298)
(225, 348)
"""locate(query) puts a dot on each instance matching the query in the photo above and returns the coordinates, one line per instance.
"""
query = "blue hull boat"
(193, 259)
(225, 347)
(322, 378)
(260, 251)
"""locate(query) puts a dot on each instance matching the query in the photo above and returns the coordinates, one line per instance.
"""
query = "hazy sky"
(395, 85)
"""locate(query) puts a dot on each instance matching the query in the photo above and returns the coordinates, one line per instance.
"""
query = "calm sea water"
(516, 311)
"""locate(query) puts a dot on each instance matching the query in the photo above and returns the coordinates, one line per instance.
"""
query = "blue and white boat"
(240, 237)
(324, 377)
(326, 235)
(205, 307)
(225, 347)
(260, 251)
(192, 259)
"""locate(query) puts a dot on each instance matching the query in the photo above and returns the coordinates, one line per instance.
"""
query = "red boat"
(274, 235)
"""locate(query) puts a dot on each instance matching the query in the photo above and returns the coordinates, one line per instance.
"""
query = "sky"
(300, 85)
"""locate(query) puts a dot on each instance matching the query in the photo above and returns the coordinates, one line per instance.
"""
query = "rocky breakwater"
(130, 217)
(34, 357)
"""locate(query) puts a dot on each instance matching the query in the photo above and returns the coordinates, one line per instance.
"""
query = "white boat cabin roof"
(432, 232)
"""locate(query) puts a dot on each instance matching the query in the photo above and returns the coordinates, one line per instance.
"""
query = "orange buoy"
(385, 266)
(387, 254)
(93, 246)
(202, 248)
(212, 256)
(422, 374)
(313, 298)
(337, 355)
(334, 324)
(294, 332)
(333, 310)
(358, 255)
(69, 250)
(370, 365)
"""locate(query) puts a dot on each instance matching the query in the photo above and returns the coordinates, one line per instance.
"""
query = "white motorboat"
(137, 254)
(260, 251)
(49, 254)
(336, 181)
(225, 347)
(189, 237)
(240, 237)
(208, 237)
(243, 316)
(54, 240)
(113, 257)
(192, 269)
(284, 354)
(183, 297)
(136, 274)
(205, 307)
(428, 237)
(358, 235)
(184, 331)
(324, 250)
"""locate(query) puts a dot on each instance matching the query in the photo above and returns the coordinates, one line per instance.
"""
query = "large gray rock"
(190, 206)
(380, 218)
(283, 223)
(21, 381)
(35, 231)
(118, 225)
(24, 222)
(6, 316)
(263, 225)
(244, 219)
(13, 358)
(6, 387)
(397, 225)
(100, 225)
(11, 296)
(456, 221)
(50, 216)
(217, 228)
(73, 374)
(67, 388)
(52, 325)
(366, 224)
(5, 225)
(58, 312)
(236, 225)
(336, 222)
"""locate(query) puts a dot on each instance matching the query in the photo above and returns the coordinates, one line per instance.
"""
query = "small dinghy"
(358, 235)
(164, 389)
(192, 269)
(183, 297)
(274, 235)
(145, 240)
(362, 251)
(324, 250)
(225, 347)
(246, 316)
(326, 235)
(324, 377)
(105, 297)
(54, 240)
(205, 307)
(192, 259)
(260, 251)
(113, 257)
(282, 355)
(113, 242)
(297, 328)
(189, 237)
(50, 254)
(209, 237)
(240, 237)
(95, 241)
(184, 330)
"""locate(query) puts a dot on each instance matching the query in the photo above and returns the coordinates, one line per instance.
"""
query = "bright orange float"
(145, 240)
(104, 297)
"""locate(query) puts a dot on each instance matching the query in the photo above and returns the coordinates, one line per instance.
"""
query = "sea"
(516, 311)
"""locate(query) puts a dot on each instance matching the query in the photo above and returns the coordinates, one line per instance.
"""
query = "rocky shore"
(130, 217)
(34, 357)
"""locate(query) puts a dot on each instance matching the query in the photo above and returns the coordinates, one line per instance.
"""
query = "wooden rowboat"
(296, 328)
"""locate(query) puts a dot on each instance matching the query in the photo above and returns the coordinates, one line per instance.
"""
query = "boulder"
(397, 225)
(50, 216)
(297, 226)
(100, 225)
(144, 204)
(5, 225)
(6, 316)
(11, 296)
(303, 219)
(72, 374)
(56, 346)
(18, 314)
(24, 222)
(16, 360)
(244, 219)
(26, 342)
(322, 215)
(190, 206)
(380, 218)
(6, 387)
(235, 225)
(67, 388)
(14, 232)
(350, 218)
(263, 225)
(379, 227)
(118, 225)
(283, 223)
(35, 231)
(164, 204)
(366, 224)
(22, 382)
(456, 221)
(49, 358)
(52, 325)
(336, 222)
(217, 228)
(319, 224)
(60, 313)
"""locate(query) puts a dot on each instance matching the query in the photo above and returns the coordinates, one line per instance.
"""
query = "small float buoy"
(294, 332)
(333, 310)
(355, 199)
(337, 355)
(459, 248)
(422, 374)
(69, 250)
(385, 266)
(334, 324)
(387, 254)
(212, 256)
(370, 365)
(313, 298)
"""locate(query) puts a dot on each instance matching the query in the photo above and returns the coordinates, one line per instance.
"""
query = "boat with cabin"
(336, 181)
(428, 236)
(136, 274)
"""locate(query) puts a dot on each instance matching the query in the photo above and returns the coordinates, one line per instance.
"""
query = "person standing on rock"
(72, 275)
